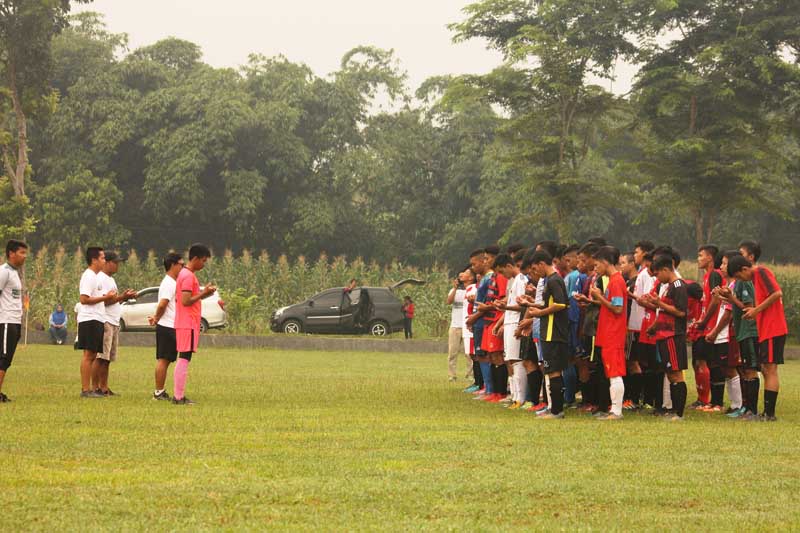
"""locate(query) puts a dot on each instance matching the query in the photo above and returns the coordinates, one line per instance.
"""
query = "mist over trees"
(153, 149)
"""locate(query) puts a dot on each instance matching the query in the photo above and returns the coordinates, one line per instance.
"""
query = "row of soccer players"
(542, 324)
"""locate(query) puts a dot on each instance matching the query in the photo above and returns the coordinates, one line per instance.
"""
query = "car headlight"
(280, 311)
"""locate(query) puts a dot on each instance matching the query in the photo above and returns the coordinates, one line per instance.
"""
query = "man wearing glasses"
(164, 321)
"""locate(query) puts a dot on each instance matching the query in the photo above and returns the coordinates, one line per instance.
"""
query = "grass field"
(336, 441)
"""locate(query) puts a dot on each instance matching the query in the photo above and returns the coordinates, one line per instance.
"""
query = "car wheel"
(379, 328)
(122, 325)
(203, 325)
(292, 327)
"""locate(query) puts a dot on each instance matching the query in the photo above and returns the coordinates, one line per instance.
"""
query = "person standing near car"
(113, 313)
(91, 318)
(408, 314)
(164, 321)
(455, 339)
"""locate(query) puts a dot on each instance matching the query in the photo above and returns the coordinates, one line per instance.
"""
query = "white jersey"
(91, 287)
(469, 292)
(113, 311)
(10, 295)
(539, 301)
(457, 309)
(644, 285)
(515, 290)
(725, 334)
(166, 291)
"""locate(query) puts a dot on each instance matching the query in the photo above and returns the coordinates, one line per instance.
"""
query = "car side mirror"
(128, 302)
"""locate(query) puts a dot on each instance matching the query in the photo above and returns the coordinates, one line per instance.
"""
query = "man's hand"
(110, 295)
(151, 320)
(498, 330)
(711, 337)
(651, 330)
(596, 293)
(209, 290)
(128, 294)
(750, 314)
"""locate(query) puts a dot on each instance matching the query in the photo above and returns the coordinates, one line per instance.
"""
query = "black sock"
(658, 391)
(649, 395)
(635, 381)
(493, 377)
(770, 399)
(557, 395)
(756, 384)
(535, 385)
(678, 392)
(626, 381)
(586, 394)
(544, 390)
(502, 379)
(476, 373)
(717, 386)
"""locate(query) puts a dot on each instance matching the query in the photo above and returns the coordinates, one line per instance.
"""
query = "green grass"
(336, 441)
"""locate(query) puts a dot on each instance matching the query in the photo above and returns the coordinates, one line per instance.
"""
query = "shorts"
(645, 354)
(187, 340)
(770, 351)
(588, 348)
(491, 343)
(702, 350)
(90, 336)
(10, 338)
(555, 356)
(673, 353)
(511, 344)
(614, 362)
(748, 353)
(726, 355)
(527, 349)
(110, 342)
(166, 345)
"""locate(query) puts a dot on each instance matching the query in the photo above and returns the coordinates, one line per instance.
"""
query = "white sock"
(667, 404)
(549, 397)
(617, 389)
(734, 386)
(512, 385)
(521, 377)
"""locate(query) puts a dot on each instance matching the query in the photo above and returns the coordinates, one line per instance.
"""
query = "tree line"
(152, 148)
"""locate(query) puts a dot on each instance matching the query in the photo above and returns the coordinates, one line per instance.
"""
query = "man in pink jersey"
(188, 304)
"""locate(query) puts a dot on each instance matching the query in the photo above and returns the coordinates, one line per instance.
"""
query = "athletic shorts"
(491, 343)
(646, 355)
(726, 355)
(555, 356)
(9, 336)
(511, 344)
(110, 342)
(614, 362)
(673, 353)
(588, 348)
(702, 350)
(90, 335)
(749, 353)
(187, 340)
(166, 345)
(527, 349)
(770, 351)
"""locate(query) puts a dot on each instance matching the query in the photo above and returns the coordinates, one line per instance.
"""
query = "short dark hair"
(171, 259)
(662, 261)
(492, 249)
(736, 264)
(572, 248)
(607, 253)
(520, 255)
(753, 248)
(13, 245)
(92, 253)
(199, 250)
(112, 257)
(560, 251)
(479, 251)
(599, 241)
(710, 249)
(667, 250)
(548, 246)
(730, 254)
(589, 249)
(512, 249)
(503, 260)
(629, 256)
(645, 246)
(541, 257)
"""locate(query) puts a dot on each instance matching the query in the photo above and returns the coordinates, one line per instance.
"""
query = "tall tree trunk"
(699, 226)
(693, 115)
(18, 176)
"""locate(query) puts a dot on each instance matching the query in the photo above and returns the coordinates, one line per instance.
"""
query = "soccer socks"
(658, 390)
(734, 386)
(635, 382)
(179, 378)
(520, 379)
(486, 373)
(476, 373)
(535, 386)
(626, 380)
(755, 384)
(717, 386)
(617, 393)
(501, 372)
(702, 379)
(770, 399)
(678, 392)
(570, 376)
(666, 393)
(557, 395)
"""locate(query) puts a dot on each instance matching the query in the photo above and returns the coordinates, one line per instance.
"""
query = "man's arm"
(160, 310)
(723, 323)
(751, 313)
(600, 298)
(89, 300)
(187, 299)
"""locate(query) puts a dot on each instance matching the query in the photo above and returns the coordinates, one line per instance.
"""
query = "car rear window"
(382, 296)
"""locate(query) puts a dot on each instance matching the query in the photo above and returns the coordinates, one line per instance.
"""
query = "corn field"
(253, 287)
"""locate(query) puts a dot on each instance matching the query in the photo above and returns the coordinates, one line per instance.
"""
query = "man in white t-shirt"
(92, 318)
(113, 311)
(10, 306)
(455, 340)
(164, 321)
(509, 268)
(470, 291)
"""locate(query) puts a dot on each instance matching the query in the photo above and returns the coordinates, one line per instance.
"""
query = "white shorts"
(511, 343)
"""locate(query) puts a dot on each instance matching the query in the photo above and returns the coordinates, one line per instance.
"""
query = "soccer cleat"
(514, 405)
(674, 418)
(628, 404)
(182, 401)
(526, 406)
(482, 390)
(698, 405)
(471, 389)
(767, 418)
(480, 396)
(711, 409)
(162, 396)
(91, 394)
(110, 392)
(495, 398)
(749, 416)
(506, 399)
(587, 408)
(609, 416)
(4, 398)
(550, 416)
(736, 413)
(600, 414)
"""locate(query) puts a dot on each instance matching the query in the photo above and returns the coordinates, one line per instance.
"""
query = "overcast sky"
(315, 32)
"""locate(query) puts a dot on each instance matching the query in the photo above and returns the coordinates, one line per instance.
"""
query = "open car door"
(410, 281)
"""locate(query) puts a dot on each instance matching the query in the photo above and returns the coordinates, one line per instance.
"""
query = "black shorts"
(527, 349)
(588, 348)
(90, 336)
(749, 353)
(719, 354)
(646, 355)
(166, 347)
(555, 356)
(673, 353)
(770, 351)
(9, 337)
(702, 350)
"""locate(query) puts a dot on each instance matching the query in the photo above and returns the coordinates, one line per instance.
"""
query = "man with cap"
(113, 313)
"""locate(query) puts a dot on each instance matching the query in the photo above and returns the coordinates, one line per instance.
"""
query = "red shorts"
(614, 362)
(187, 340)
(490, 342)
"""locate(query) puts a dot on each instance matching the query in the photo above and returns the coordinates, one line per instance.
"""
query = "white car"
(136, 311)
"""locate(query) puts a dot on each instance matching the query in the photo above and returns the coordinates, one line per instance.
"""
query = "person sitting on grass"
(58, 325)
